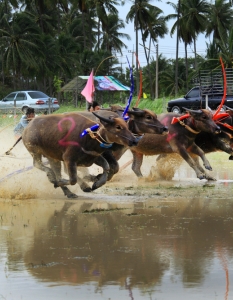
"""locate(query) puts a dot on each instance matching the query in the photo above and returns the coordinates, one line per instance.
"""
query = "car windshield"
(35, 95)
(193, 93)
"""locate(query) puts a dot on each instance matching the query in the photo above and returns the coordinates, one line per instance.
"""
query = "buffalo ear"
(109, 120)
(193, 113)
(136, 112)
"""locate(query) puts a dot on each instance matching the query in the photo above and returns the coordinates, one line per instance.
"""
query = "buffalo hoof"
(68, 193)
(208, 168)
(72, 196)
(201, 177)
(95, 186)
(211, 178)
(87, 190)
(231, 157)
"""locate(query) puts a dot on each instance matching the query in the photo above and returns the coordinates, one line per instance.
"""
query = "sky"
(166, 46)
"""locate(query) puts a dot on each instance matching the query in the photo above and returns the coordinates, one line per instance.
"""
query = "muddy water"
(131, 239)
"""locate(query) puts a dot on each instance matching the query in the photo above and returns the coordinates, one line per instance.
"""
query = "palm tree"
(22, 43)
(112, 38)
(157, 29)
(226, 49)
(141, 14)
(185, 33)
(195, 16)
(102, 8)
(220, 19)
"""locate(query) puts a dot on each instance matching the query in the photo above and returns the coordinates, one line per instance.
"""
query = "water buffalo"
(58, 137)
(180, 139)
(207, 142)
(140, 121)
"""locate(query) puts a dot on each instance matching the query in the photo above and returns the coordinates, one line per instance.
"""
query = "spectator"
(25, 119)
(94, 106)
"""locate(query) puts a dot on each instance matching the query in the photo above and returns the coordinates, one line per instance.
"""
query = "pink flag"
(88, 91)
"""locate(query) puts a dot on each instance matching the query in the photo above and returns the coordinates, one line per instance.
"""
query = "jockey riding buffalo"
(69, 138)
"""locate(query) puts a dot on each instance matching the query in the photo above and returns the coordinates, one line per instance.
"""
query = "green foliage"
(57, 84)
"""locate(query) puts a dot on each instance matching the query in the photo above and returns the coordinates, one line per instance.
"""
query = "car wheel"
(24, 109)
(176, 110)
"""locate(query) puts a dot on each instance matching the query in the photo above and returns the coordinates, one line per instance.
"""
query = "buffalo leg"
(56, 167)
(137, 163)
(101, 180)
(196, 160)
(198, 151)
(184, 154)
(113, 167)
(37, 162)
(73, 177)
(113, 164)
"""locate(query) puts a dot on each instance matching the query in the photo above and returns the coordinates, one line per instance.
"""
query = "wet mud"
(131, 239)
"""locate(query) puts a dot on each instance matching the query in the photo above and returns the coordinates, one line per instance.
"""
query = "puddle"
(153, 249)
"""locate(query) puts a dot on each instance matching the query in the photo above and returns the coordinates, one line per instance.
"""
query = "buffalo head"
(115, 130)
(145, 121)
(203, 120)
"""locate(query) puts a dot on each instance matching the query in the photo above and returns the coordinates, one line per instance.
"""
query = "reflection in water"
(151, 249)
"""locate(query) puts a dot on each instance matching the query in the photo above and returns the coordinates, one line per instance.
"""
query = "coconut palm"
(157, 28)
(185, 33)
(220, 19)
(195, 16)
(102, 8)
(112, 37)
(22, 44)
(141, 14)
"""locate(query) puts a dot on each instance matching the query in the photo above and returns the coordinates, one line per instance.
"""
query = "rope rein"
(95, 135)
(187, 127)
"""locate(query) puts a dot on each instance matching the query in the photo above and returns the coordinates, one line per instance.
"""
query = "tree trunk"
(84, 31)
(177, 48)
(186, 66)
(195, 54)
(136, 29)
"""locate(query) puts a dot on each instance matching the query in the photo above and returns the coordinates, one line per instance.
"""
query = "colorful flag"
(88, 91)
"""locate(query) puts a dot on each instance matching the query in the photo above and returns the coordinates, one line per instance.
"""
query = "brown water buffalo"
(140, 121)
(58, 138)
(180, 139)
(207, 142)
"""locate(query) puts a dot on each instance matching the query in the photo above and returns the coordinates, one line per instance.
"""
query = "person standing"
(25, 119)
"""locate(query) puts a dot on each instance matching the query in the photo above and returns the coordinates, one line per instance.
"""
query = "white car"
(21, 100)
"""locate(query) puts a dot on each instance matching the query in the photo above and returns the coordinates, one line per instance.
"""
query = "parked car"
(196, 99)
(21, 100)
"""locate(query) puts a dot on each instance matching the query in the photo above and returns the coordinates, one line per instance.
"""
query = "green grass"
(158, 106)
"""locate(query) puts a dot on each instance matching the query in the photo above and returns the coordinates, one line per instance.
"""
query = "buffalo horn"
(193, 111)
(110, 121)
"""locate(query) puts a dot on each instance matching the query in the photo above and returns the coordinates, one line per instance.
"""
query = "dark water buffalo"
(58, 138)
(140, 121)
(207, 142)
(180, 139)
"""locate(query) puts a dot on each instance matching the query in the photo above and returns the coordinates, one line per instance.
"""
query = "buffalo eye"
(118, 127)
(148, 117)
